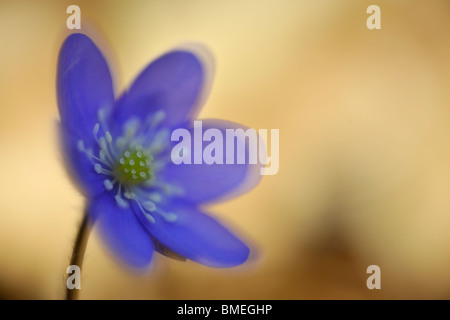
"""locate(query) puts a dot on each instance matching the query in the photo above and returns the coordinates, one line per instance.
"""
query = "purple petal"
(172, 83)
(197, 236)
(122, 232)
(80, 168)
(84, 85)
(203, 183)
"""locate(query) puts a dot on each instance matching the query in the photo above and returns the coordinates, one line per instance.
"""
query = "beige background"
(364, 119)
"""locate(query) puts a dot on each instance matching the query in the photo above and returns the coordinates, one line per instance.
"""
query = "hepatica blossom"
(118, 152)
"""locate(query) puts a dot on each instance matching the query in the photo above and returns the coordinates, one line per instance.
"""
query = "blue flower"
(118, 152)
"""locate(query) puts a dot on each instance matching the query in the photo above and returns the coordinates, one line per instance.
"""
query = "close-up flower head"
(119, 152)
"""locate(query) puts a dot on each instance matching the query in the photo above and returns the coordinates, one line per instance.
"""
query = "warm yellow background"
(364, 119)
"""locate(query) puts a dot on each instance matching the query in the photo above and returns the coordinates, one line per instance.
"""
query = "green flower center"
(134, 167)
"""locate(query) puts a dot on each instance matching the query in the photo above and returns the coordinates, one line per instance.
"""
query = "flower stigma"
(134, 167)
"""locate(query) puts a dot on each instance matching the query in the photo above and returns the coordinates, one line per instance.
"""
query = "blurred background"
(364, 119)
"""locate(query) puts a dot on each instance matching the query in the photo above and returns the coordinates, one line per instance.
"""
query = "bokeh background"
(364, 119)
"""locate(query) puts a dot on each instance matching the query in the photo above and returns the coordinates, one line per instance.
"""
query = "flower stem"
(79, 249)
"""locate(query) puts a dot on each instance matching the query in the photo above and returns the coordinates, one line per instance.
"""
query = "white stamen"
(89, 152)
(155, 197)
(133, 144)
(108, 184)
(121, 202)
(131, 127)
(132, 162)
(102, 155)
(80, 145)
(108, 137)
(101, 114)
(170, 217)
(141, 163)
(159, 164)
(120, 143)
(158, 117)
(96, 128)
(98, 168)
(143, 175)
(149, 206)
(159, 141)
(149, 217)
(102, 143)
(122, 160)
(129, 195)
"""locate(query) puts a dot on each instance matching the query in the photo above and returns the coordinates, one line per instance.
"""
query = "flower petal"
(122, 232)
(198, 237)
(80, 168)
(84, 85)
(172, 83)
(203, 183)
